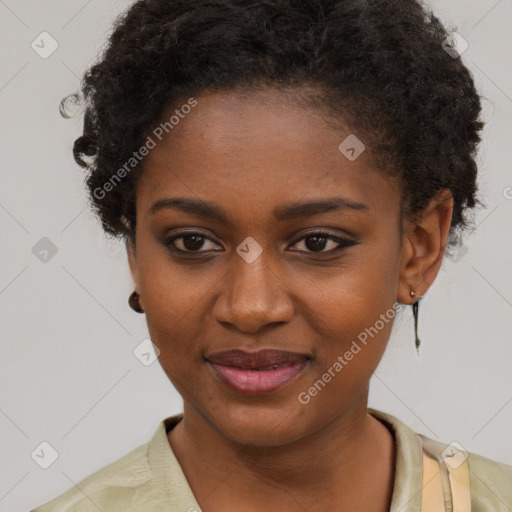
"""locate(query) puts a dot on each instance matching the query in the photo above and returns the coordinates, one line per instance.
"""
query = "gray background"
(68, 374)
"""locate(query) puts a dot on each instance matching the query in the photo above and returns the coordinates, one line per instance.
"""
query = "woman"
(287, 176)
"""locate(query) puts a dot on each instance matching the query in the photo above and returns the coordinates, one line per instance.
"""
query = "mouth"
(255, 373)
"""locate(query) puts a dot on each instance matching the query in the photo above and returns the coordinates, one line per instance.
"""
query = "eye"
(318, 241)
(188, 241)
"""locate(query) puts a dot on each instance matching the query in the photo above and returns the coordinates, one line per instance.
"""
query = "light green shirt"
(149, 478)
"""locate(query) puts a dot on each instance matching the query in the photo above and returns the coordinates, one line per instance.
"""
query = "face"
(252, 258)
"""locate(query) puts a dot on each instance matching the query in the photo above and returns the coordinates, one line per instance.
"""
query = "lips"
(264, 359)
(257, 372)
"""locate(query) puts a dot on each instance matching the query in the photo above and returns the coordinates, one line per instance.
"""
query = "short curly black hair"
(379, 65)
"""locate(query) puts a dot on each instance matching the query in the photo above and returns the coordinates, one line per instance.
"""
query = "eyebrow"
(281, 213)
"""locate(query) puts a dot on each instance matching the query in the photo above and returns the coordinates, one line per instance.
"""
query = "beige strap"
(460, 483)
(432, 494)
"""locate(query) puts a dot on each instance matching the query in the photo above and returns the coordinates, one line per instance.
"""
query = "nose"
(253, 296)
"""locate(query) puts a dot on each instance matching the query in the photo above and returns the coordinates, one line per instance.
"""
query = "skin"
(249, 155)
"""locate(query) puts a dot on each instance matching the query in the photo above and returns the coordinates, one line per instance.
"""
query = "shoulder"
(111, 485)
(490, 481)
(486, 483)
(146, 478)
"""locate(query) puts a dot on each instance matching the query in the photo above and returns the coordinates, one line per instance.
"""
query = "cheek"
(353, 310)
(176, 302)
(354, 327)
(353, 334)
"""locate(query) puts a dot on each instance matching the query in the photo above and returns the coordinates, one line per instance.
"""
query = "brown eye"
(190, 241)
(317, 242)
(193, 242)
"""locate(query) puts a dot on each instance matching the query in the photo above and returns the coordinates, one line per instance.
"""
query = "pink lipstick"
(255, 373)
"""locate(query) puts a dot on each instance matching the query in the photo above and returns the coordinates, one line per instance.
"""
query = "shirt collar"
(172, 484)
(406, 495)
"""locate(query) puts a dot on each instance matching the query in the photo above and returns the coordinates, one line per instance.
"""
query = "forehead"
(255, 152)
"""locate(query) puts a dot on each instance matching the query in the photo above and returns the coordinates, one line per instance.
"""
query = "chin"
(260, 425)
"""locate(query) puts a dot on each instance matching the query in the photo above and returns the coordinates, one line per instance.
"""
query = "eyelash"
(344, 243)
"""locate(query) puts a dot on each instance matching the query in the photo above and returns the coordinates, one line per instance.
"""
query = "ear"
(423, 247)
(132, 261)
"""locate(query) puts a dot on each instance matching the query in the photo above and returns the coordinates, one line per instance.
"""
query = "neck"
(342, 459)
